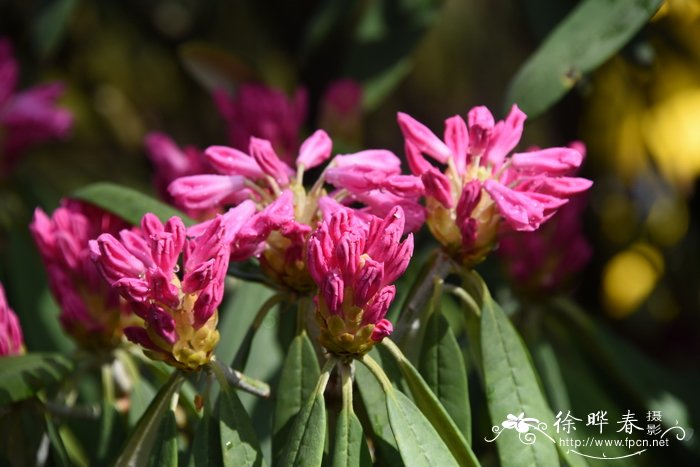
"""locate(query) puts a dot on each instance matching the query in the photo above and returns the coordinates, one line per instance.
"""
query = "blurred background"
(131, 67)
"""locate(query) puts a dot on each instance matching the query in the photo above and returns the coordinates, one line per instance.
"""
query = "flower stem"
(346, 382)
(238, 380)
(408, 322)
(378, 372)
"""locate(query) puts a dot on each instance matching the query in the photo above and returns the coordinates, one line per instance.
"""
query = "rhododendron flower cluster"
(263, 112)
(288, 210)
(90, 310)
(26, 117)
(179, 311)
(354, 265)
(11, 339)
(483, 183)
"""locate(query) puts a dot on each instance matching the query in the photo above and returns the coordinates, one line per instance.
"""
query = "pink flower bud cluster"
(354, 266)
(483, 183)
(11, 340)
(179, 310)
(90, 312)
(27, 117)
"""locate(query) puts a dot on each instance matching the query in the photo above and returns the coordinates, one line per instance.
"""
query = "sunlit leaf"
(433, 411)
(300, 373)
(141, 442)
(512, 388)
(22, 376)
(350, 448)
(127, 203)
(239, 443)
(308, 434)
(418, 442)
(164, 452)
(586, 38)
(442, 366)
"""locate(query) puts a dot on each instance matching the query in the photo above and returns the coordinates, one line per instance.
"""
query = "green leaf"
(350, 447)
(442, 365)
(127, 203)
(239, 443)
(236, 315)
(589, 35)
(206, 446)
(164, 452)
(374, 402)
(430, 406)
(308, 435)
(50, 24)
(142, 394)
(300, 372)
(511, 387)
(140, 444)
(419, 443)
(23, 376)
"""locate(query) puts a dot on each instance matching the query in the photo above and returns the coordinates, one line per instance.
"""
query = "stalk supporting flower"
(179, 310)
(91, 312)
(11, 339)
(354, 266)
(482, 185)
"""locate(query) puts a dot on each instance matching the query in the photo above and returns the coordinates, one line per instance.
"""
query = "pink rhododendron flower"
(27, 117)
(288, 211)
(11, 340)
(90, 311)
(263, 112)
(483, 183)
(354, 265)
(545, 260)
(171, 162)
(177, 300)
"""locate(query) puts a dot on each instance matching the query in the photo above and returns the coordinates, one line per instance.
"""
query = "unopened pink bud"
(315, 150)
(382, 329)
(457, 139)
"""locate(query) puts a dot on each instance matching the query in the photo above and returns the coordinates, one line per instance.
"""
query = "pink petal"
(438, 186)
(423, 139)
(205, 191)
(551, 161)
(505, 136)
(230, 161)
(315, 150)
(457, 139)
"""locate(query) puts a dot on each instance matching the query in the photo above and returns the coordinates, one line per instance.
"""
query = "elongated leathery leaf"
(308, 435)
(127, 203)
(140, 444)
(350, 448)
(239, 443)
(300, 373)
(374, 401)
(432, 409)
(21, 377)
(511, 389)
(419, 443)
(165, 446)
(443, 368)
(587, 37)
(206, 447)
